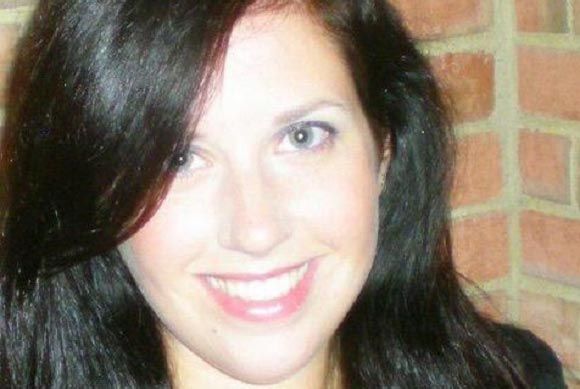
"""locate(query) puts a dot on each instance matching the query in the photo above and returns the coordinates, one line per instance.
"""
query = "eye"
(187, 162)
(306, 136)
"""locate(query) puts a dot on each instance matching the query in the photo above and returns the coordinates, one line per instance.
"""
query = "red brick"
(467, 79)
(551, 247)
(480, 247)
(545, 166)
(541, 15)
(556, 321)
(478, 177)
(436, 18)
(548, 82)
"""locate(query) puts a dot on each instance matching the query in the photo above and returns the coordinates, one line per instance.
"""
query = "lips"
(262, 298)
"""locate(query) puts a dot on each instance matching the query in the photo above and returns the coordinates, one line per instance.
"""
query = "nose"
(251, 221)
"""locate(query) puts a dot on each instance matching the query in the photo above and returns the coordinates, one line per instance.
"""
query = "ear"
(384, 165)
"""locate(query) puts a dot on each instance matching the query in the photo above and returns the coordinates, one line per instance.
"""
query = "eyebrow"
(295, 114)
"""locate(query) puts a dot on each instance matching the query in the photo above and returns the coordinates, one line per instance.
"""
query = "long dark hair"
(100, 100)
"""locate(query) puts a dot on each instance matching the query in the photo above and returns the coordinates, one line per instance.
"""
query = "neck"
(333, 376)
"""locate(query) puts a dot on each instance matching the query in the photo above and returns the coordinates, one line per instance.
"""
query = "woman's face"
(268, 233)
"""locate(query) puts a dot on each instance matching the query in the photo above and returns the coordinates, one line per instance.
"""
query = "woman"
(232, 194)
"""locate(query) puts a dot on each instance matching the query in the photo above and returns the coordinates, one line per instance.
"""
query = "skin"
(249, 200)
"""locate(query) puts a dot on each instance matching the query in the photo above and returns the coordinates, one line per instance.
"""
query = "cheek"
(171, 238)
(340, 205)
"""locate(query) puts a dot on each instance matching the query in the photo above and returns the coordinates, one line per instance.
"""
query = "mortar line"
(473, 43)
(570, 17)
(16, 15)
(507, 121)
(473, 287)
(574, 173)
(488, 208)
(473, 128)
(550, 287)
(557, 42)
(551, 126)
(550, 208)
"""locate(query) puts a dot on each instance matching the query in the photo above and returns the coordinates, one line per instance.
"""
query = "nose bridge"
(251, 222)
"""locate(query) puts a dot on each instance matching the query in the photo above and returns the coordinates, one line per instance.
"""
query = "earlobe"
(382, 175)
(384, 165)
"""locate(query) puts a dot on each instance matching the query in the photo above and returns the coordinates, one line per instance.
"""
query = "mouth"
(260, 290)
(263, 297)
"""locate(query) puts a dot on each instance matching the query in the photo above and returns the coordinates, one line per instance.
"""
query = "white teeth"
(213, 282)
(269, 289)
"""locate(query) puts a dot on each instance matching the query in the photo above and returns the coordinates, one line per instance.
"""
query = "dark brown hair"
(100, 101)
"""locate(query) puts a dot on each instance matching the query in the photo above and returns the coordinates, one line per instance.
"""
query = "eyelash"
(328, 136)
(182, 162)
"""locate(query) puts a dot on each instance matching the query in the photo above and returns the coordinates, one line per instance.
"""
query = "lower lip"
(266, 311)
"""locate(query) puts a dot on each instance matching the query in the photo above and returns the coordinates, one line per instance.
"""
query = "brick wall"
(512, 70)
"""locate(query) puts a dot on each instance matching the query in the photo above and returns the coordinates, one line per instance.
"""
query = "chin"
(267, 376)
(259, 367)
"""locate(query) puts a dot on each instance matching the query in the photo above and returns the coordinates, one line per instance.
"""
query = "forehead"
(276, 62)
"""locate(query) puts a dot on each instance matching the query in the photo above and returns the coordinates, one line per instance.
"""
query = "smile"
(262, 298)
(260, 290)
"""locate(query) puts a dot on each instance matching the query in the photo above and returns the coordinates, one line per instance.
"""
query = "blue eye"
(306, 136)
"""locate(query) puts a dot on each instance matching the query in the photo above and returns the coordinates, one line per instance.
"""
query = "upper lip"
(257, 277)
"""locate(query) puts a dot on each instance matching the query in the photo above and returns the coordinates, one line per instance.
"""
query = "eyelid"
(196, 154)
(329, 129)
(193, 155)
